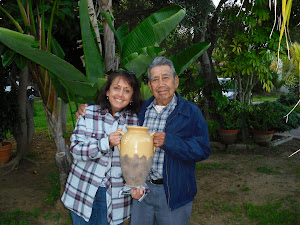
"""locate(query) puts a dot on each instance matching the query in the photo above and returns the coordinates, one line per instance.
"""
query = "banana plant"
(30, 24)
(138, 49)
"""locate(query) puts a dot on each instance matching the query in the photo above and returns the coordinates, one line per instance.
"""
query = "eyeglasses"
(127, 72)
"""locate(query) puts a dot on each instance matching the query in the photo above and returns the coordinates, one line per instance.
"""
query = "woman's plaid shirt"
(95, 164)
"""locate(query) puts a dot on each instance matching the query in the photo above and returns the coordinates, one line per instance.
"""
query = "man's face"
(163, 84)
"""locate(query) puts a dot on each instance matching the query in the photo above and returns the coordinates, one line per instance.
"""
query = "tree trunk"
(206, 69)
(63, 115)
(21, 135)
(30, 121)
(209, 73)
(94, 21)
(109, 40)
(62, 157)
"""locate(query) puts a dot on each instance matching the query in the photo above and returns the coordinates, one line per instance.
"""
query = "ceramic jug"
(136, 154)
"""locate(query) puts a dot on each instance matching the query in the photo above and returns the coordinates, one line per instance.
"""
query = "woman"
(95, 179)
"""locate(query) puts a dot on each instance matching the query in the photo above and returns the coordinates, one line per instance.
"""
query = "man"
(181, 139)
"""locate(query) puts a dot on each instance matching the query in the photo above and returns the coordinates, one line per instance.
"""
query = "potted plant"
(268, 117)
(229, 115)
(230, 122)
(261, 122)
(9, 121)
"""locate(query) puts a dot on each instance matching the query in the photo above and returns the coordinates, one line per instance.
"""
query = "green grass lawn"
(265, 97)
(271, 97)
(40, 119)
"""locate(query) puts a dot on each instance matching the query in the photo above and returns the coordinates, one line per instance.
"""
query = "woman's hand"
(81, 110)
(114, 138)
(137, 193)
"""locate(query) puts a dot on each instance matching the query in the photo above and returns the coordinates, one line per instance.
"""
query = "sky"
(216, 2)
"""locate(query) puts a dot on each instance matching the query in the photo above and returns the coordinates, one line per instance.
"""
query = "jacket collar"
(180, 108)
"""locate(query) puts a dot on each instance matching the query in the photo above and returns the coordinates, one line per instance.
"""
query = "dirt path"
(226, 182)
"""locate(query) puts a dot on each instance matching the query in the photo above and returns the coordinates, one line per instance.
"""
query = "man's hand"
(81, 110)
(159, 139)
(114, 138)
(137, 193)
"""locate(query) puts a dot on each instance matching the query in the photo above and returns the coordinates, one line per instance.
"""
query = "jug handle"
(152, 134)
(122, 133)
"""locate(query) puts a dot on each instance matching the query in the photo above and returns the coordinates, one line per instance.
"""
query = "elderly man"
(181, 139)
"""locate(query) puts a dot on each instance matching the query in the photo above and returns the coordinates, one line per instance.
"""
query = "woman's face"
(119, 94)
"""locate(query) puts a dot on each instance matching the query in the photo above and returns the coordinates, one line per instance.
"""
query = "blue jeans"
(99, 211)
(154, 209)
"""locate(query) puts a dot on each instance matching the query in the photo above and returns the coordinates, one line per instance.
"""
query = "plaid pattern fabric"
(96, 164)
(157, 122)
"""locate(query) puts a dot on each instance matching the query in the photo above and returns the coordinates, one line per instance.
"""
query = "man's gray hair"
(161, 61)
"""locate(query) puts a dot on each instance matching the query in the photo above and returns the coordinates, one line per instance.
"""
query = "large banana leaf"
(59, 88)
(140, 47)
(153, 30)
(187, 56)
(21, 62)
(57, 50)
(138, 62)
(121, 34)
(93, 60)
(72, 79)
(8, 57)
(145, 90)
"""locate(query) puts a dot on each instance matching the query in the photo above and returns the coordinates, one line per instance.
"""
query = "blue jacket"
(186, 142)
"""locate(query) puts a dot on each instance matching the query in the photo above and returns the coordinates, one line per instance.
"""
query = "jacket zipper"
(168, 185)
(167, 167)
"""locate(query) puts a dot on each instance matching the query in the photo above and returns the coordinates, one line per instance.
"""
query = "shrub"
(229, 113)
(232, 116)
(270, 116)
(212, 129)
(288, 99)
